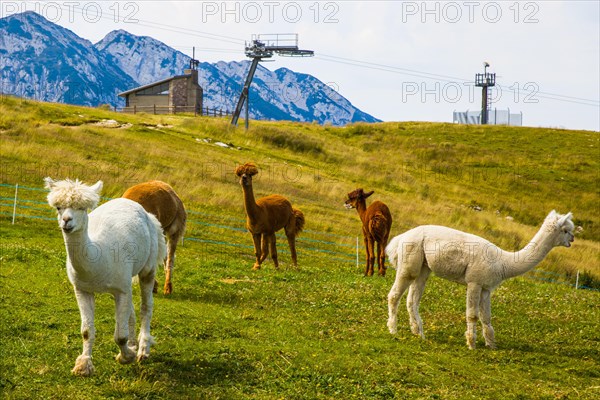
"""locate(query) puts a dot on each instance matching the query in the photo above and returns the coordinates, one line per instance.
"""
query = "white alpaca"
(467, 259)
(105, 249)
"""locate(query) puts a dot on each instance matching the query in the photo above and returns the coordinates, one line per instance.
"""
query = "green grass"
(228, 332)
(319, 332)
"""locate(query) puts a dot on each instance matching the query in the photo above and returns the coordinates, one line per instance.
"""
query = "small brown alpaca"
(160, 199)
(376, 225)
(266, 216)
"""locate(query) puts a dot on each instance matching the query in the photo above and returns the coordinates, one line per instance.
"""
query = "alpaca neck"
(526, 259)
(250, 203)
(81, 250)
(361, 207)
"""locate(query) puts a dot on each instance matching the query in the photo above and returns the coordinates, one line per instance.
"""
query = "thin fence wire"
(340, 248)
(203, 227)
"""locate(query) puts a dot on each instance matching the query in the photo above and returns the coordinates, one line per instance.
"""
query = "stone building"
(180, 93)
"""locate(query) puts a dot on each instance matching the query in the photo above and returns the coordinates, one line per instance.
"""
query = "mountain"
(143, 58)
(42, 60)
(280, 95)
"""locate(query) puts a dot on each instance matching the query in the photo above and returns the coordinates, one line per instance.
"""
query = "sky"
(396, 60)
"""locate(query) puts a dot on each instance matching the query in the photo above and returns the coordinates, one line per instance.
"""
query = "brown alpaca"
(377, 222)
(266, 216)
(160, 199)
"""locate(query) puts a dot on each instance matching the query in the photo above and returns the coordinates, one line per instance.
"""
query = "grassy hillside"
(427, 173)
(318, 332)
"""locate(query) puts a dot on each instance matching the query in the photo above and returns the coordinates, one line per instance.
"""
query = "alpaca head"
(355, 197)
(72, 199)
(560, 227)
(245, 173)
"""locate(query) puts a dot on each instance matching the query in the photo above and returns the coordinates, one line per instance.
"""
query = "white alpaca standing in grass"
(105, 249)
(467, 259)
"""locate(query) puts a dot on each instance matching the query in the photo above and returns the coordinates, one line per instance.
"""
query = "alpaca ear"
(565, 218)
(551, 215)
(368, 194)
(97, 187)
(49, 183)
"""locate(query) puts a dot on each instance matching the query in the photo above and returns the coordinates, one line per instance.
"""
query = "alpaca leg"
(380, 259)
(367, 256)
(272, 245)
(257, 250)
(132, 339)
(147, 306)
(292, 242)
(123, 306)
(473, 298)
(171, 246)
(264, 248)
(83, 364)
(370, 256)
(485, 314)
(415, 292)
(398, 289)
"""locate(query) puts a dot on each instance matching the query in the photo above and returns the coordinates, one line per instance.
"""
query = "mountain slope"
(143, 58)
(277, 95)
(42, 60)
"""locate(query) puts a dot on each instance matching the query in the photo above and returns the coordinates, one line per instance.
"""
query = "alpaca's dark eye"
(58, 208)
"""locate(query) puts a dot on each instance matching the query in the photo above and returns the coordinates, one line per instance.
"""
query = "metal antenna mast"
(485, 81)
(264, 46)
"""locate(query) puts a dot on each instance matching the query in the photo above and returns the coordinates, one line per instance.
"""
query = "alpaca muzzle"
(246, 179)
(571, 239)
(66, 224)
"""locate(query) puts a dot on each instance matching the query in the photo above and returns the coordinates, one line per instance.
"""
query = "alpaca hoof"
(128, 358)
(392, 328)
(83, 366)
(168, 289)
(144, 349)
(417, 332)
(470, 340)
(256, 267)
(491, 346)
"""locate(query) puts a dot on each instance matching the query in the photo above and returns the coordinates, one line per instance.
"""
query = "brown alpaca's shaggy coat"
(266, 216)
(160, 199)
(377, 223)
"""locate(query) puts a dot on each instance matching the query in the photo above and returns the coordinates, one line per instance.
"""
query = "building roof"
(123, 94)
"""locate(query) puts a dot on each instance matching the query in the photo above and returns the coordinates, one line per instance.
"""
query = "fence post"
(15, 204)
(154, 108)
(577, 281)
(134, 109)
